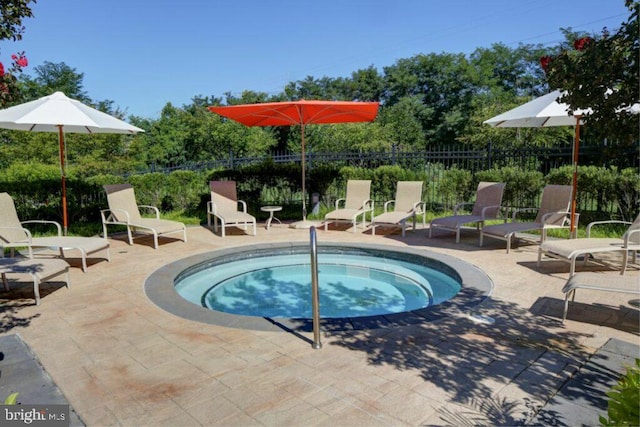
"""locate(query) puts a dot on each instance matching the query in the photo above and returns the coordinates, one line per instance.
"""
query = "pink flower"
(20, 60)
(582, 43)
(544, 62)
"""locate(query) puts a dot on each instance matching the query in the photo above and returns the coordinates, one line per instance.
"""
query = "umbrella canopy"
(58, 113)
(300, 113)
(546, 111)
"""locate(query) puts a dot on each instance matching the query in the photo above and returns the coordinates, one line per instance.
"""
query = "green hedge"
(36, 188)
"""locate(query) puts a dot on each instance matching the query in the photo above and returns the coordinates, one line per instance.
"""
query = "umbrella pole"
(64, 179)
(574, 192)
(304, 203)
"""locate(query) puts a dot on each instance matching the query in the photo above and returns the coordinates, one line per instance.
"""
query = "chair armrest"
(459, 205)
(244, 205)
(611, 221)
(419, 207)
(551, 214)
(627, 236)
(337, 204)
(368, 205)
(517, 211)
(43, 221)
(26, 231)
(151, 208)
(110, 219)
(387, 203)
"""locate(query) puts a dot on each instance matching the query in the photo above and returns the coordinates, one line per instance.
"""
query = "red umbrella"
(300, 113)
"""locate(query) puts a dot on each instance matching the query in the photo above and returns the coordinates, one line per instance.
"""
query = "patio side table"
(271, 210)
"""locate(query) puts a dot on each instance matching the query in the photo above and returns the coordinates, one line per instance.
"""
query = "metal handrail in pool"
(315, 293)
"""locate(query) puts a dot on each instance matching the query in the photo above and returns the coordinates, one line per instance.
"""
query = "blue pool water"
(351, 285)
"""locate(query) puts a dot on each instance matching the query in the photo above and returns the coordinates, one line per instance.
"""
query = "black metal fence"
(542, 159)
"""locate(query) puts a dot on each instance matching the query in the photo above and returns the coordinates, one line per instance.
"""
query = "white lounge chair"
(39, 270)
(124, 210)
(488, 205)
(407, 204)
(598, 282)
(223, 206)
(13, 235)
(357, 203)
(570, 250)
(554, 212)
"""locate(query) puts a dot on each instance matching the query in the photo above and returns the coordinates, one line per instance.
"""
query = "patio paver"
(120, 360)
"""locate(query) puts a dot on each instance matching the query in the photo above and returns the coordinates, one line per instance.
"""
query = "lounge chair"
(124, 210)
(570, 250)
(598, 282)
(488, 205)
(39, 270)
(407, 204)
(224, 208)
(13, 235)
(554, 212)
(356, 203)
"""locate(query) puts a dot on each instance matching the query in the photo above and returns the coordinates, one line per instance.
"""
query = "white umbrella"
(546, 111)
(58, 113)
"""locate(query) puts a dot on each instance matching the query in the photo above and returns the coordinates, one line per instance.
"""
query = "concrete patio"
(120, 360)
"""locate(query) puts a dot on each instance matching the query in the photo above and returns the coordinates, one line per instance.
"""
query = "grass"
(294, 212)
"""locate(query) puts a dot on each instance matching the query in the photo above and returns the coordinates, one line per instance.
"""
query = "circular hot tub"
(361, 286)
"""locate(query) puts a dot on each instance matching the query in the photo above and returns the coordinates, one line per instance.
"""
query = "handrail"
(315, 293)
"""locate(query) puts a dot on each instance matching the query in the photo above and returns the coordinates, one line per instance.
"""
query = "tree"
(51, 77)
(601, 73)
(12, 12)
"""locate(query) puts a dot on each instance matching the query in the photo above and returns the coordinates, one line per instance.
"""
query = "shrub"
(627, 193)
(455, 187)
(623, 408)
(523, 187)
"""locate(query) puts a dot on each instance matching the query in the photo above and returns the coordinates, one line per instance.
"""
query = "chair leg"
(572, 270)
(155, 240)
(625, 260)
(509, 242)
(83, 255)
(36, 288)
(129, 235)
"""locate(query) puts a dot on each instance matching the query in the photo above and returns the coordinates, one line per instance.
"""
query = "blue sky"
(142, 54)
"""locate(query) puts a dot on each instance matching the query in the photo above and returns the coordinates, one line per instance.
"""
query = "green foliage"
(150, 188)
(523, 187)
(606, 185)
(12, 12)
(183, 190)
(12, 399)
(623, 408)
(384, 179)
(601, 73)
(30, 172)
(455, 187)
(627, 193)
